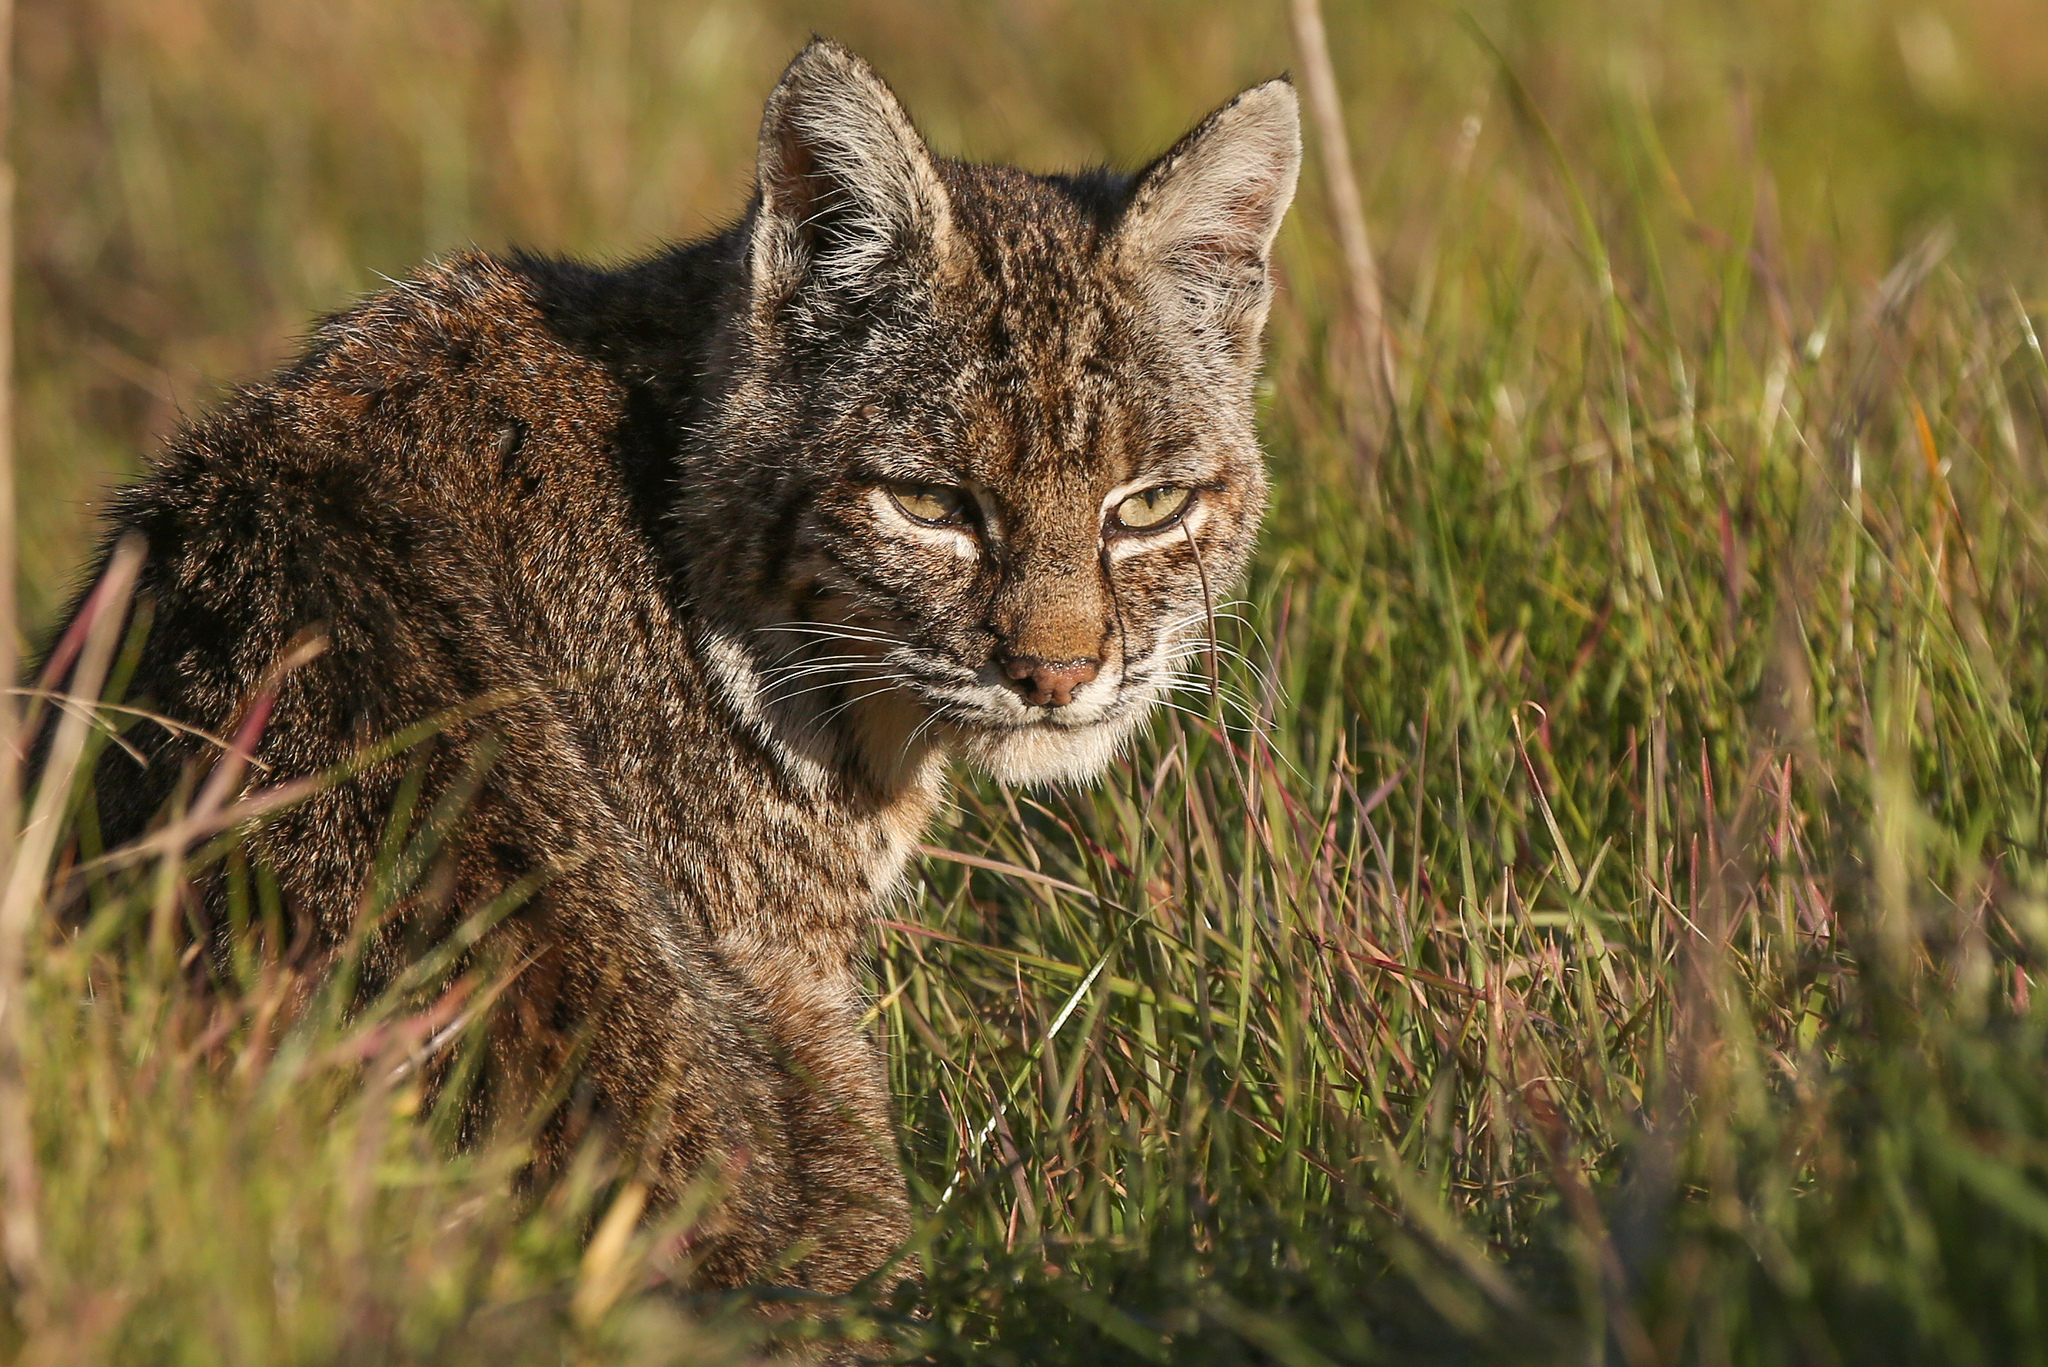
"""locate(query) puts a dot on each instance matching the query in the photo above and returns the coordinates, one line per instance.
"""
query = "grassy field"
(1596, 924)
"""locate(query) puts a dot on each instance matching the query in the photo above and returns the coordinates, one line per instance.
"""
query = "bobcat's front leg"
(839, 1118)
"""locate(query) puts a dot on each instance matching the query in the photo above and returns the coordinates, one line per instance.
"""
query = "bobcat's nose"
(1048, 683)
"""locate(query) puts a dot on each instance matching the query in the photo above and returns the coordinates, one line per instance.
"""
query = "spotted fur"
(662, 509)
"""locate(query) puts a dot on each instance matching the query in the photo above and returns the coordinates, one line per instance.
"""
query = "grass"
(1596, 924)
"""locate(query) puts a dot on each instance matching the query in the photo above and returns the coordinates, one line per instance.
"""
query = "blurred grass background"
(202, 178)
(1600, 923)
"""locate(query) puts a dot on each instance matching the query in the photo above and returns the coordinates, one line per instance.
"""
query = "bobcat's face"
(1034, 517)
(1015, 460)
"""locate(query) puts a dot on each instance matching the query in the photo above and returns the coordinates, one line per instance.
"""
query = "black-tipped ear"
(846, 184)
(1203, 217)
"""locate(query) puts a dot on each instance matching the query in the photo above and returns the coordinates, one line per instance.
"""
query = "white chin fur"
(1031, 755)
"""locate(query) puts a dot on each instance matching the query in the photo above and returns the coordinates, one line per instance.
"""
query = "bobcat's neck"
(785, 801)
(853, 744)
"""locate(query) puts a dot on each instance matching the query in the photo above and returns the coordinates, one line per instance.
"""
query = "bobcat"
(920, 459)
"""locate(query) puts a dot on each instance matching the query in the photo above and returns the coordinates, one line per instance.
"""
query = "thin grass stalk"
(17, 1233)
(1326, 108)
(19, 1241)
(10, 795)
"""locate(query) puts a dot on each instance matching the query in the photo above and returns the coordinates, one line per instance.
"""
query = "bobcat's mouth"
(1049, 750)
(996, 731)
(976, 714)
(988, 702)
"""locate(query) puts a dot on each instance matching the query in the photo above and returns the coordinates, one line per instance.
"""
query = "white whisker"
(1200, 649)
(918, 730)
(1200, 684)
(1257, 724)
(828, 684)
(834, 632)
(834, 711)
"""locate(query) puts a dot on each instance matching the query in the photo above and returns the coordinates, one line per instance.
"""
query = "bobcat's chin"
(1043, 754)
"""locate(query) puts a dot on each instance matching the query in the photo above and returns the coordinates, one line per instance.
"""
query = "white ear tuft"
(1204, 216)
(845, 181)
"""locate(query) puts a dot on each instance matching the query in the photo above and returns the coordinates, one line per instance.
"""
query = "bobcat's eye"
(1153, 509)
(935, 505)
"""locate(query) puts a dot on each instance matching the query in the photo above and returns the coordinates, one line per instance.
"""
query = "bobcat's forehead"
(1038, 367)
(1036, 398)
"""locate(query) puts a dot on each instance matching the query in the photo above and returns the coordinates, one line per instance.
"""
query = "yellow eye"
(1154, 508)
(933, 503)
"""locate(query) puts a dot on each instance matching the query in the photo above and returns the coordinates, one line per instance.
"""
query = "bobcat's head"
(987, 454)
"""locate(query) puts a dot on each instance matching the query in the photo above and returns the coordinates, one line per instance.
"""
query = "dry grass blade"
(19, 1238)
(10, 634)
(27, 875)
(1002, 867)
(1347, 205)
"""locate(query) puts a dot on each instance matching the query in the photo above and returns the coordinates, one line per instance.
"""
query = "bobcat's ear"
(846, 184)
(1202, 220)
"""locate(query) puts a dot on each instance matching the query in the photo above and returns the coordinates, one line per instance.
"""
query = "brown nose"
(1049, 683)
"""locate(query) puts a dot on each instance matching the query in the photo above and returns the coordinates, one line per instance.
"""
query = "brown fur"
(661, 509)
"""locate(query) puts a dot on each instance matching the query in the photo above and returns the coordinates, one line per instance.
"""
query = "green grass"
(1596, 925)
